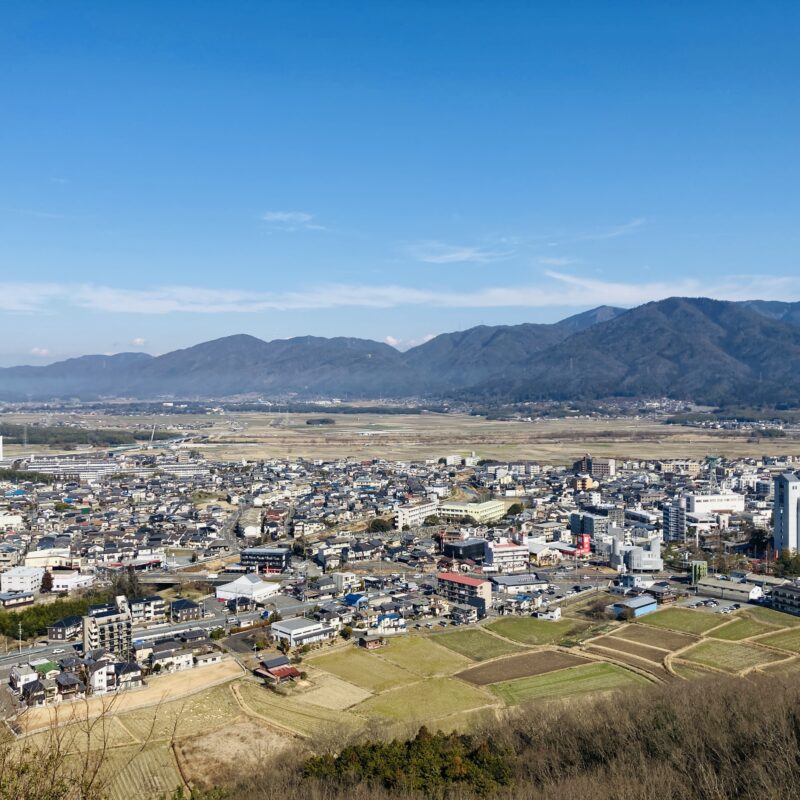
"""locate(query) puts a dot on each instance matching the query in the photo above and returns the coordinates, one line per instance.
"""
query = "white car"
(58, 651)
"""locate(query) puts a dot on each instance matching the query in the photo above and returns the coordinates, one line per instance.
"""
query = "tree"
(514, 509)
(346, 632)
(47, 582)
(431, 520)
(759, 541)
(379, 525)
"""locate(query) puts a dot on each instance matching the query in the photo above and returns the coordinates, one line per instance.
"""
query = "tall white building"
(728, 502)
(786, 512)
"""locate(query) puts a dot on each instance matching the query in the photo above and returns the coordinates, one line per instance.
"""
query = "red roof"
(454, 577)
(284, 672)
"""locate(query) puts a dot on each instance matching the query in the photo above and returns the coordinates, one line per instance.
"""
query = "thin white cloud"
(40, 352)
(616, 231)
(442, 253)
(291, 221)
(138, 342)
(554, 289)
(557, 261)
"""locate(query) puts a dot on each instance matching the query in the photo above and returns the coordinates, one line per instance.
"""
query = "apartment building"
(465, 590)
(506, 556)
(109, 628)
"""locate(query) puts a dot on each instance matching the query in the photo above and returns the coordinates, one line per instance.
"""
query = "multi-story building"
(148, 609)
(415, 515)
(22, 579)
(786, 599)
(482, 513)
(724, 503)
(506, 556)
(674, 521)
(464, 590)
(109, 628)
(786, 512)
(266, 559)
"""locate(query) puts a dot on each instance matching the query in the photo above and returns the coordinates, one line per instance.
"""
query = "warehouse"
(729, 590)
(249, 587)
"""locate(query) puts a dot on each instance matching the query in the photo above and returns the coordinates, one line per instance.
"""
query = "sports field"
(591, 678)
(729, 656)
(684, 620)
(427, 700)
(535, 631)
(476, 644)
(520, 666)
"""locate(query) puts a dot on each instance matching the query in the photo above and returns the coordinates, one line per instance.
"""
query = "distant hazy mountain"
(689, 348)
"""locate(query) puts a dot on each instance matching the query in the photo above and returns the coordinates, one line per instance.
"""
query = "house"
(465, 614)
(300, 631)
(69, 687)
(389, 624)
(20, 675)
(16, 599)
(184, 610)
(277, 670)
(172, 660)
(67, 628)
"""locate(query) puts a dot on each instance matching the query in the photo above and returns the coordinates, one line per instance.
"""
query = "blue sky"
(173, 172)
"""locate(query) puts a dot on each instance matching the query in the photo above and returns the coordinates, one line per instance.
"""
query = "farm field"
(241, 746)
(422, 656)
(740, 628)
(665, 639)
(571, 682)
(427, 700)
(162, 689)
(728, 656)
(520, 666)
(535, 631)
(772, 617)
(419, 436)
(332, 692)
(364, 669)
(684, 620)
(617, 644)
(785, 640)
(290, 714)
(476, 644)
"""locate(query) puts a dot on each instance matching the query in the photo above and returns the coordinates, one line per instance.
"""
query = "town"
(172, 563)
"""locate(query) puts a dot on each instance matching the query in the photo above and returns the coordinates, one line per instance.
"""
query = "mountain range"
(699, 349)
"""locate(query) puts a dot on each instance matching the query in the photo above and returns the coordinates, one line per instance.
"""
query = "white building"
(22, 579)
(786, 512)
(71, 581)
(506, 556)
(728, 502)
(415, 515)
(250, 587)
(482, 513)
(300, 631)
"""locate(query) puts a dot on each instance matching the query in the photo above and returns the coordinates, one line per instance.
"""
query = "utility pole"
(19, 636)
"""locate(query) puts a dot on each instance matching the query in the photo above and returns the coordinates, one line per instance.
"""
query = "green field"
(364, 669)
(535, 631)
(681, 619)
(427, 700)
(741, 628)
(785, 640)
(422, 656)
(728, 656)
(569, 682)
(476, 644)
(772, 617)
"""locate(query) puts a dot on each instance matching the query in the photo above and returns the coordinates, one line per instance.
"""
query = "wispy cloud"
(291, 221)
(615, 231)
(433, 252)
(554, 289)
(139, 341)
(557, 261)
(40, 352)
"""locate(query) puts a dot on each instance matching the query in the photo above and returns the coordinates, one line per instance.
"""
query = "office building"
(786, 512)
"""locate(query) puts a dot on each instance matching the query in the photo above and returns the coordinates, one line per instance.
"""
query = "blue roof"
(353, 599)
(637, 602)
